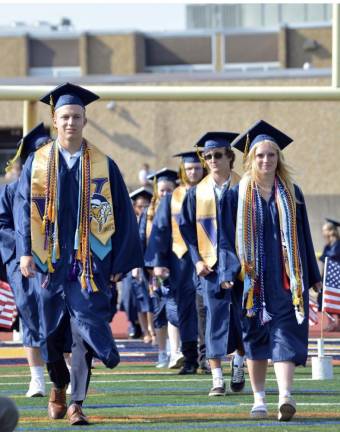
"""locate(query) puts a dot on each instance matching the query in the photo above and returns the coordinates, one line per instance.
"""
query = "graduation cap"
(141, 192)
(188, 156)
(68, 94)
(165, 174)
(334, 222)
(260, 131)
(212, 140)
(35, 138)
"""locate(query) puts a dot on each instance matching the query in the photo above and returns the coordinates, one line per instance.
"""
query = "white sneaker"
(36, 388)
(162, 360)
(176, 361)
(287, 409)
(259, 410)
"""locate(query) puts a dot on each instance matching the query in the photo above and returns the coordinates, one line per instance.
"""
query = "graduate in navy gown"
(168, 255)
(25, 290)
(141, 198)
(199, 225)
(164, 308)
(265, 216)
(330, 232)
(78, 228)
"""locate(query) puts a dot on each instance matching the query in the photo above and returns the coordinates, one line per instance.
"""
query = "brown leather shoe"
(76, 416)
(57, 404)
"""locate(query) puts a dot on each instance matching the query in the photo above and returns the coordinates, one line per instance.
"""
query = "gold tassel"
(11, 162)
(201, 158)
(246, 149)
(250, 299)
(83, 280)
(182, 174)
(52, 105)
(43, 225)
(49, 265)
(93, 284)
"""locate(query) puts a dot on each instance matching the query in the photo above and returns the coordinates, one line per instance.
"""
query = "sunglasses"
(216, 155)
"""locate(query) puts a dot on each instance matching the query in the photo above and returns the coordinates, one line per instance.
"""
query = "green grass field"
(138, 397)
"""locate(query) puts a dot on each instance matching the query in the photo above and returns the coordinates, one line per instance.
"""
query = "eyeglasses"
(216, 155)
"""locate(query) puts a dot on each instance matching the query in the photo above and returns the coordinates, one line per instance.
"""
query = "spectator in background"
(330, 232)
(143, 174)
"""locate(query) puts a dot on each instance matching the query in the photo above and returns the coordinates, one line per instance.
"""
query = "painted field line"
(180, 417)
(90, 406)
(175, 427)
(94, 381)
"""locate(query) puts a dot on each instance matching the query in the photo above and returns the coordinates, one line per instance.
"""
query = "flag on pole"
(313, 312)
(331, 288)
(8, 310)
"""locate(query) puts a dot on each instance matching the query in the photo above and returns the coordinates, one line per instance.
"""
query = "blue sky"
(100, 16)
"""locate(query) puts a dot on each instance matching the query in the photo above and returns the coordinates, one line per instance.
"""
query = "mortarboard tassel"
(246, 149)
(11, 162)
(200, 157)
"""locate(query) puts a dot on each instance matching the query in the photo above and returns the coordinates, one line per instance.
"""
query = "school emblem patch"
(100, 210)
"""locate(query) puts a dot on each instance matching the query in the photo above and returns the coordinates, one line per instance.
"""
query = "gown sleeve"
(126, 248)
(159, 246)
(7, 232)
(22, 202)
(229, 264)
(187, 224)
(312, 269)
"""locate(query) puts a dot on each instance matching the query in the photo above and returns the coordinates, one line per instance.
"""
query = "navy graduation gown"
(25, 290)
(331, 251)
(218, 301)
(90, 312)
(282, 338)
(181, 280)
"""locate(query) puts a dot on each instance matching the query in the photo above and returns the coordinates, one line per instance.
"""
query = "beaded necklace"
(82, 254)
(250, 245)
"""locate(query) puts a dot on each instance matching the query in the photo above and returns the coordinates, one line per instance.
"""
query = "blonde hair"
(283, 169)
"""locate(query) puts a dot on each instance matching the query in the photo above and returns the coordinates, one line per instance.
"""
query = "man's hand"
(227, 285)
(116, 278)
(136, 273)
(203, 269)
(27, 266)
(317, 287)
(161, 272)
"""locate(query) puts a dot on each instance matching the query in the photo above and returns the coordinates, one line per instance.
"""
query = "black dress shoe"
(135, 331)
(188, 370)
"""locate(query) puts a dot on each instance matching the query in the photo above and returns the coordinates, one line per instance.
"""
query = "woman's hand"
(203, 269)
(227, 285)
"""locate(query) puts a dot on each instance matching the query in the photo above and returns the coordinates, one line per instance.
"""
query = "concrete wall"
(300, 48)
(14, 56)
(126, 53)
(118, 54)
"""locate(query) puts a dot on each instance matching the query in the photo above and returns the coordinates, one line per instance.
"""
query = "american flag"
(331, 290)
(313, 312)
(8, 310)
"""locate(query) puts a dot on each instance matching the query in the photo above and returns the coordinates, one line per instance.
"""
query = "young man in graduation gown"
(168, 255)
(164, 308)
(199, 226)
(78, 227)
(26, 291)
